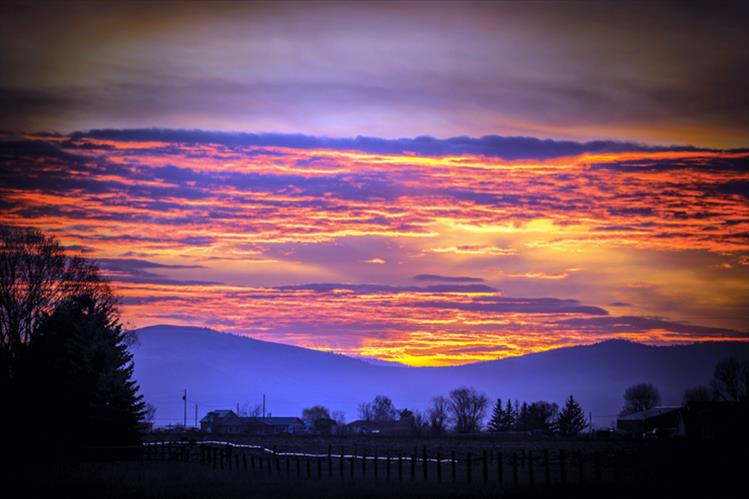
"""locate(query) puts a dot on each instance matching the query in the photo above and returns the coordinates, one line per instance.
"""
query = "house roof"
(650, 413)
(218, 414)
(280, 420)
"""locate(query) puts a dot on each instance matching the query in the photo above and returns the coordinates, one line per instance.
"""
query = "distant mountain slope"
(220, 370)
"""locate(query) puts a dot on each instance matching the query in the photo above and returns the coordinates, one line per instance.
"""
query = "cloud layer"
(655, 72)
(367, 247)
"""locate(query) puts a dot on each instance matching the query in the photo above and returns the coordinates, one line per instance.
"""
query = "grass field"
(647, 469)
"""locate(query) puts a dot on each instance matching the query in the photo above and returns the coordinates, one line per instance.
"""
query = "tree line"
(464, 410)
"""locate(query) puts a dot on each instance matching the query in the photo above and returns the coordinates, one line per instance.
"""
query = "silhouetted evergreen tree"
(510, 417)
(539, 416)
(82, 366)
(522, 421)
(497, 421)
(572, 419)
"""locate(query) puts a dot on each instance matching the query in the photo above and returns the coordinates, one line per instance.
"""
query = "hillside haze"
(222, 370)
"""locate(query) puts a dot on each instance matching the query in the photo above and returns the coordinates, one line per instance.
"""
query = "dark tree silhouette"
(731, 380)
(312, 414)
(572, 419)
(640, 397)
(540, 416)
(510, 417)
(437, 415)
(699, 393)
(381, 409)
(497, 420)
(149, 413)
(35, 277)
(62, 346)
(81, 362)
(468, 408)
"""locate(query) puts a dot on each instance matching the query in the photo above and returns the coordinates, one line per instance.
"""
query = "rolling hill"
(222, 370)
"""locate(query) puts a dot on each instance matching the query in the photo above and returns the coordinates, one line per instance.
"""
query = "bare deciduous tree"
(381, 409)
(339, 417)
(35, 277)
(640, 397)
(731, 379)
(248, 409)
(438, 414)
(314, 413)
(149, 412)
(468, 408)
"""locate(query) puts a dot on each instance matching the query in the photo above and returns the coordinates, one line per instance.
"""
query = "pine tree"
(523, 417)
(572, 419)
(510, 417)
(84, 369)
(496, 423)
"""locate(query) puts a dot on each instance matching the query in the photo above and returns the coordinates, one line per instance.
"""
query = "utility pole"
(184, 400)
(263, 406)
(196, 414)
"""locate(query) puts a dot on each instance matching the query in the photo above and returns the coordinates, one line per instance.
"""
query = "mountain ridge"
(221, 370)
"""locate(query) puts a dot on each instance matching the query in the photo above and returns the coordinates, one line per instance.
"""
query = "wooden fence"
(524, 468)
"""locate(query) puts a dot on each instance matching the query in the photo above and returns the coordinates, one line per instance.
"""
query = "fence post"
(330, 461)
(363, 465)
(424, 463)
(387, 465)
(452, 464)
(376, 464)
(400, 466)
(353, 463)
(439, 466)
(229, 455)
(469, 466)
(500, 469)
(563, 466)
(298, 467)
(341, 464)
(413, 465)
(309, 467)
(515, 469)
(580, 465)
(288, 465)
(522, 458)
(484, 468)
(547, 472)
(222, 458)
(319, 467)
(531, 478)
(278, 461)
(598, 467)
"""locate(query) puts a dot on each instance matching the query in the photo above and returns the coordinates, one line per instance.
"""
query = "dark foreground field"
(512, 469)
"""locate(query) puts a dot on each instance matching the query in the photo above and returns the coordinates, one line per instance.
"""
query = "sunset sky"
(427, 183)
